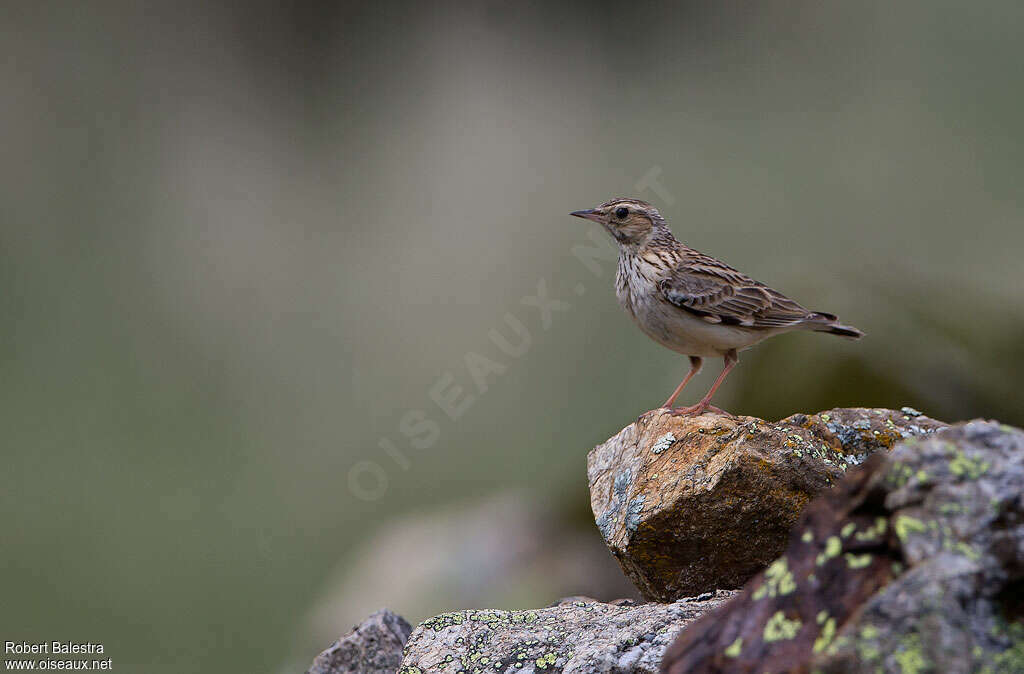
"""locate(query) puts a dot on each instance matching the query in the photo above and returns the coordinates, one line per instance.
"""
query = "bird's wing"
(718, 293)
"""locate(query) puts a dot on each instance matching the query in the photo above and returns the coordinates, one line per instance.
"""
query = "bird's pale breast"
(636, 287)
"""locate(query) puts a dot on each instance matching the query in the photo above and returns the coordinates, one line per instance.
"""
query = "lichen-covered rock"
(372, 647)
(572, 636)
(690, 504)
(914, 564)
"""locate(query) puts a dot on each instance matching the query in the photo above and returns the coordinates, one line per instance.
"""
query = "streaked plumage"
(690, 302)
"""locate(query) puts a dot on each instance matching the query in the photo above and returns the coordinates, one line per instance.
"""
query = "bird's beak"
(589, 214)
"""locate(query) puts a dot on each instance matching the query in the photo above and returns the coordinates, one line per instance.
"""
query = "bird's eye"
(621, 212)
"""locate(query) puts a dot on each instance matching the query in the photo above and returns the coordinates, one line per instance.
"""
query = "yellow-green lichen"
(874, 532)
(964, 466)
(1012, 659)
(847, 529)
(828, 632)
(867, 652)
(906, 525)
(833, 546)
(950, 508)
(899, 474)
(840, 643)
(778, 580)
(545, 661)
(779, 627)
(443, 620)
(857, 561)
(733, 651)
(967, 551)
(909, 656)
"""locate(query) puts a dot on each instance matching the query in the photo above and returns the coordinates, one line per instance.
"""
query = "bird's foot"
(697, 410)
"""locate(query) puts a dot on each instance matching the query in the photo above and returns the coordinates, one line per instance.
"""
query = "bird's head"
(629, 221)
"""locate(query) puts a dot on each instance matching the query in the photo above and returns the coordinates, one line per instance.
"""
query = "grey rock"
(372, 647)
(957, 507)
(575, 635)
(915, 563)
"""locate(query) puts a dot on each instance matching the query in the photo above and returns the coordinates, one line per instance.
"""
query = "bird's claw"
(697, 410)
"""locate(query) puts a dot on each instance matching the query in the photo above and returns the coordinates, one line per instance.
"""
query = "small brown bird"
(692, 303)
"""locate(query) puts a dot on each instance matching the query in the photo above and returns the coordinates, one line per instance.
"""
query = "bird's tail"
(819, 321)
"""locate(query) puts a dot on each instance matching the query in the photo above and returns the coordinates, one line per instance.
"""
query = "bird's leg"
(731, 358)
(695, 363)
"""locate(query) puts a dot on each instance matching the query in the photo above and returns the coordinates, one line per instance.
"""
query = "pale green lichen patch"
(833, 546)
(439, 622)
(828, 632)
(847, 529)
(866, 643)
(899, 474)
(807, 536)
(778, 580)
(964, 466)
(868, 651)
(874, 532)
(906, 525)
(546, 660)
(857, 561)
(910, 658)
(950, 509)
(779, 628)
(967, 551)
(1012, 659)
(733, 651)
(838, 644)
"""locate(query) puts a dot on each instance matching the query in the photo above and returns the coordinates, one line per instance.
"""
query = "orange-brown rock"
(693, 504)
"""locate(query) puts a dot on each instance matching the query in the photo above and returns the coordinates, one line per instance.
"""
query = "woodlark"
(692, 303)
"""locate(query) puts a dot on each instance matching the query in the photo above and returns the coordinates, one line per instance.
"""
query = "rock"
(372, 647)
(914, 564)
(571, 636)
(691, 504)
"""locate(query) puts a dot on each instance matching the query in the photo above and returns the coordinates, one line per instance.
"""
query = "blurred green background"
(242, 243)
